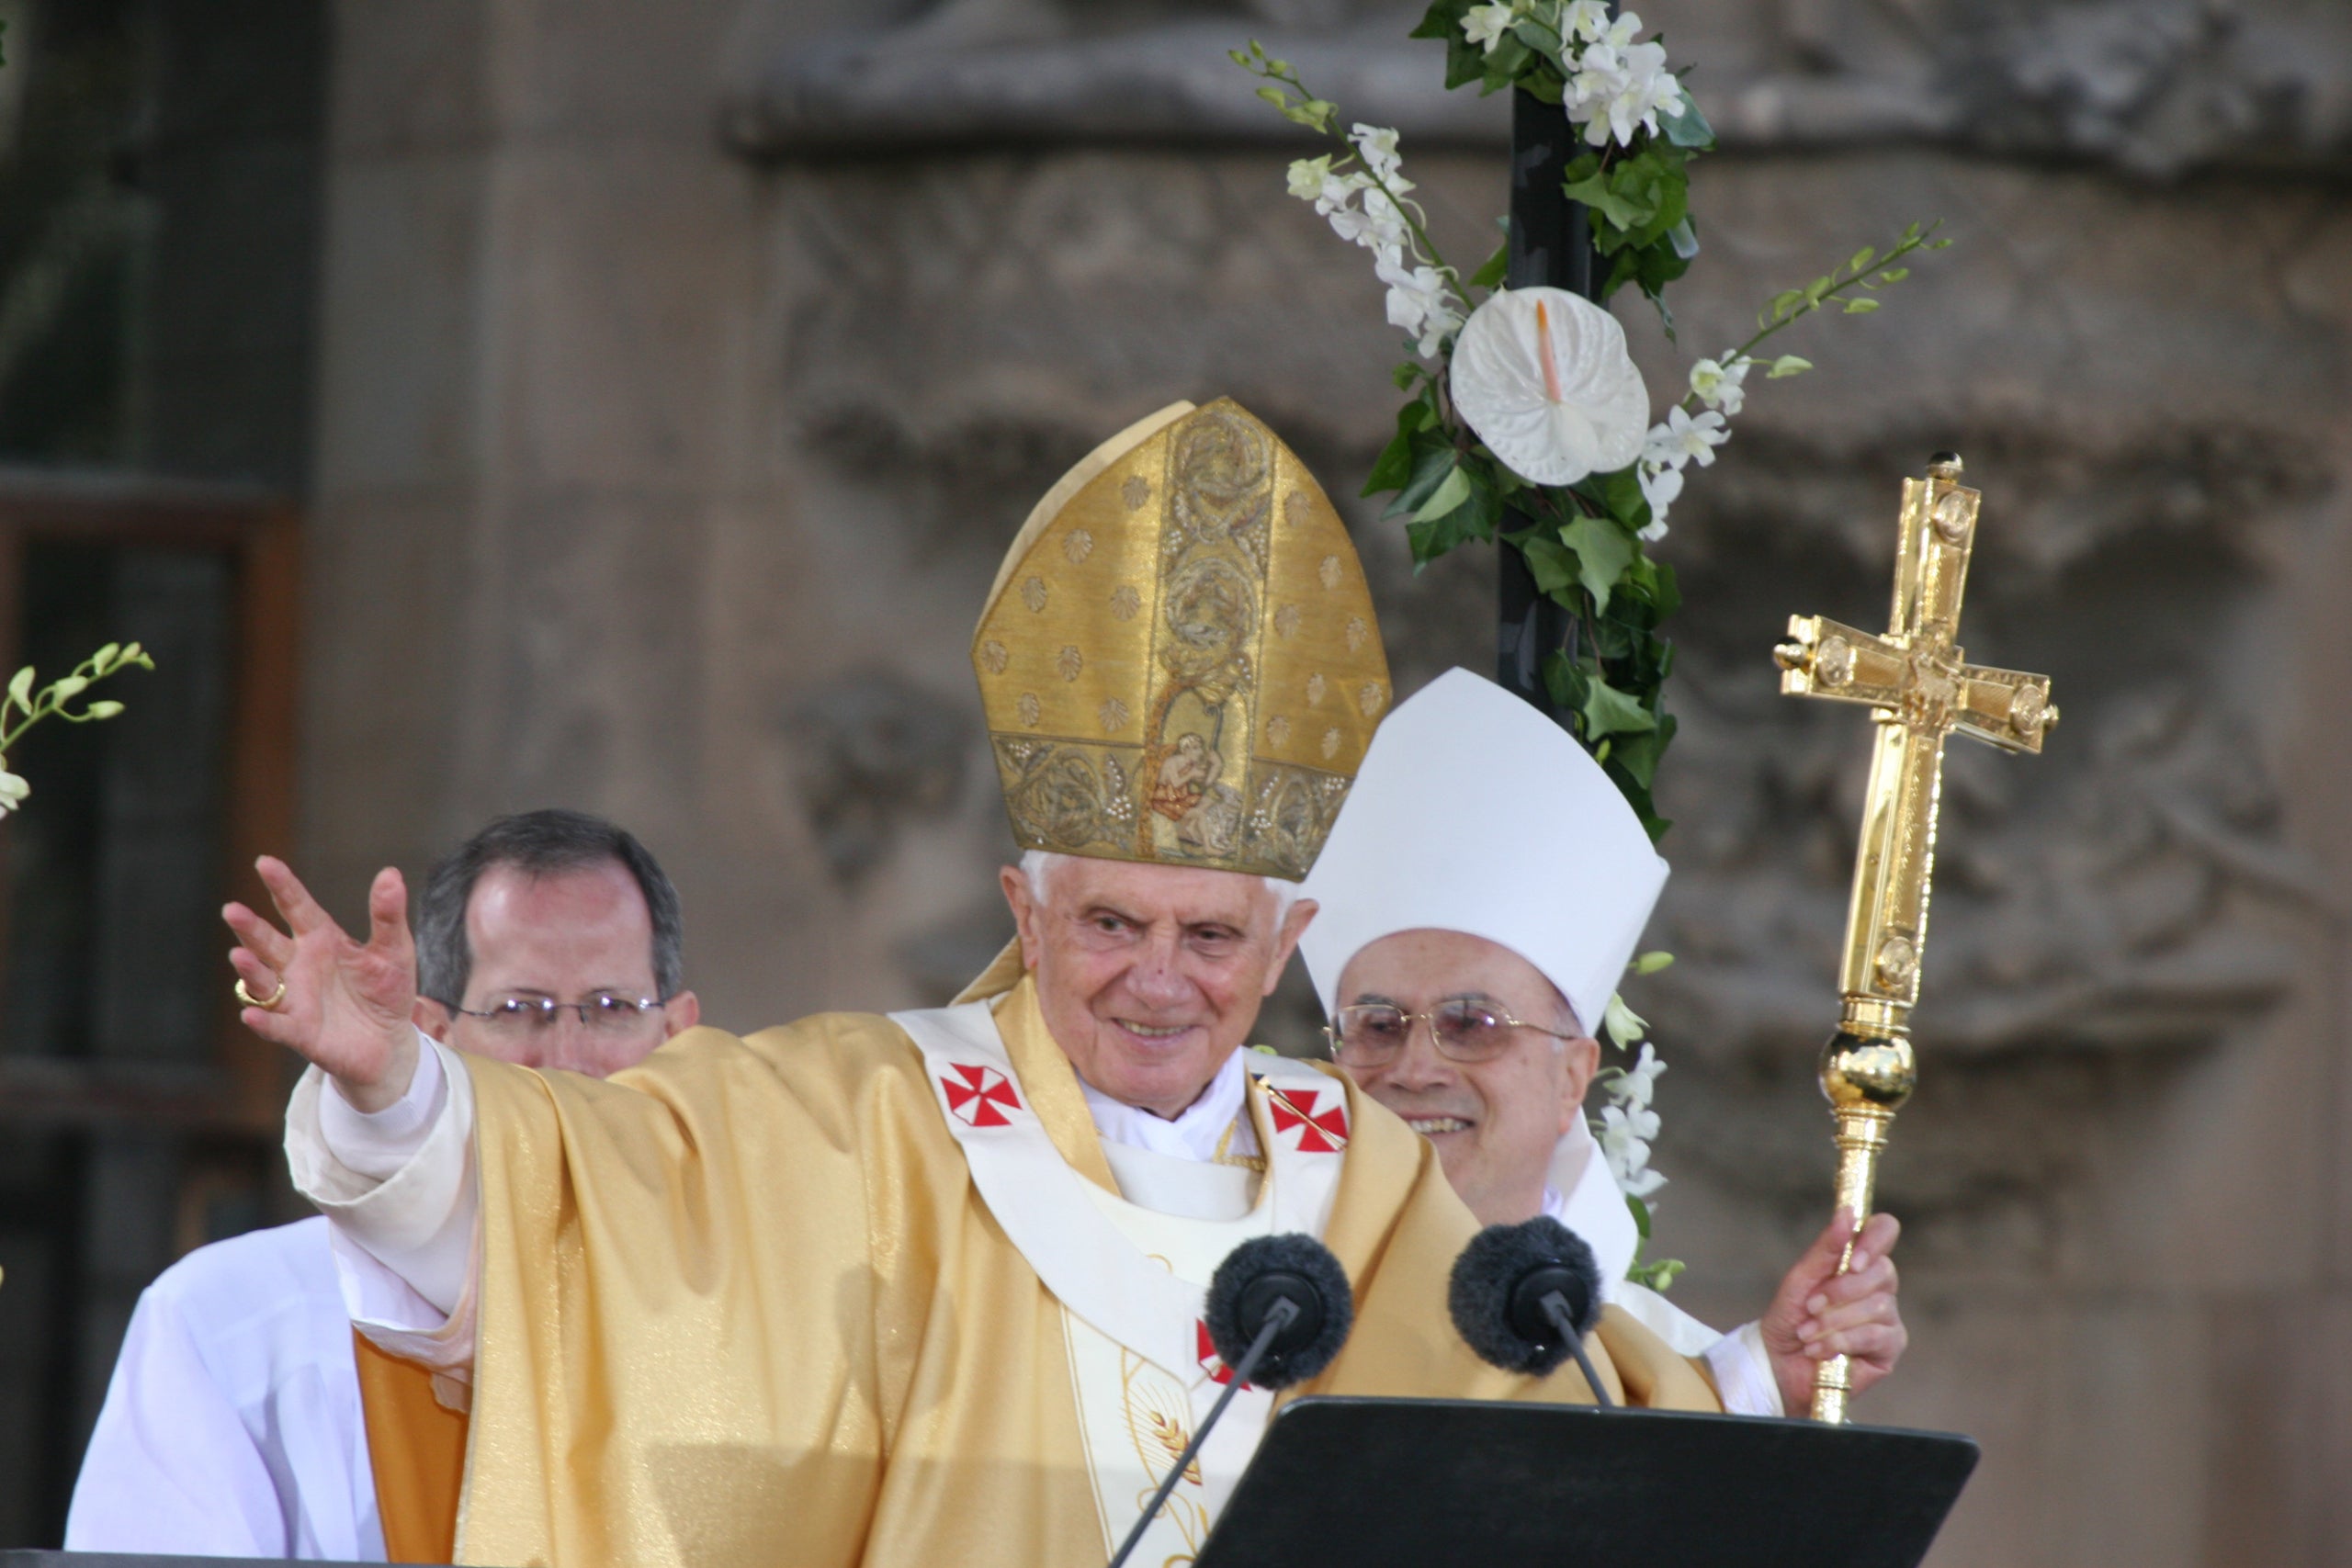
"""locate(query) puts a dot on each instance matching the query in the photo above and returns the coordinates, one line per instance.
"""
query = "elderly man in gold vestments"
(927, 1289)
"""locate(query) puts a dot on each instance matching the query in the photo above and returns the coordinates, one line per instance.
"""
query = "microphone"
(1525, 1296)
(1279, 1309)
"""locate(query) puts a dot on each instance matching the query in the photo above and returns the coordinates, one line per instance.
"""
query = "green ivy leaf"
(1450, 493)
(1608, 710)
(1599, 194)
(1496, 267)
(1637, 755)
(1688, 128)
(1392, 468)
(1464, 60)
(1603, 550)
(1541, 38)
(1551, 563)
(1432, 462)
(1473, 519)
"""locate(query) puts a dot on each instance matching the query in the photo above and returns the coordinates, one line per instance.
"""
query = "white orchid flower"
(1621, 87)
(1639, 1183)
(1419, 301)
(12, 789)
(1721, 385)
(1377, 146)
(1629, 1124)
(1660, 484)
(1622, 1024)
(1585, 20)
(1542, 376)
(1486, 25)
(1640, 1081)
(1685, 436)
(1627, 1154)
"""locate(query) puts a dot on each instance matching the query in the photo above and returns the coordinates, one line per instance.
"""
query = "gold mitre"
(1179, 660)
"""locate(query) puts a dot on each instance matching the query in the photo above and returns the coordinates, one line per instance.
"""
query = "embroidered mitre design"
(1179, 660)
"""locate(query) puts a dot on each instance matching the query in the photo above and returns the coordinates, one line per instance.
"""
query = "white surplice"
(233, 1426)
(1594, 1208)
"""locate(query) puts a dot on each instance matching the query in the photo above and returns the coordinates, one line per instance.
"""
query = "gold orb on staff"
(1920, 688)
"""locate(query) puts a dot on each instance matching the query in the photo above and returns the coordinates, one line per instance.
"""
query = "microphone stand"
(1278, 1318)
(1556, 1307)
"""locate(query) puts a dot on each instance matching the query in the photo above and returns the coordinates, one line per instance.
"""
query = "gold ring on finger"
(269, 1004)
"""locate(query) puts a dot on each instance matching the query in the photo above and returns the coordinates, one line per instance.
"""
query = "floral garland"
(1525, 421)
(22, 707)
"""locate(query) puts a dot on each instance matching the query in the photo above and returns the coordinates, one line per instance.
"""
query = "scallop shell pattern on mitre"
(1598, 426)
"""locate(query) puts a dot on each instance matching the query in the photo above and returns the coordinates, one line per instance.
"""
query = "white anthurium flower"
(1542, 375)
(1720, 384)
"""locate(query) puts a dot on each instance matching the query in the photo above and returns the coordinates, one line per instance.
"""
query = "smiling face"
(1494, 1122)
(1150, 977)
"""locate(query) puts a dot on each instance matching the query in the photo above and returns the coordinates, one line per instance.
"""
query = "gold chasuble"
(866, 1291)
(416, 1449)
(745, 1303)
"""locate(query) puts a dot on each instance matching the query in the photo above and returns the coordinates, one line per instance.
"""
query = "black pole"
(1284, 1312)
(1551, 246)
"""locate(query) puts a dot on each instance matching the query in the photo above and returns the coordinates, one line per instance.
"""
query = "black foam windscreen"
(1270, 1268)
(1498, 1286)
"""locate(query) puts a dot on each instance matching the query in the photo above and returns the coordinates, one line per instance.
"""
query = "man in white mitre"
(928, 1289)
(1463, 953)
(245, 1419)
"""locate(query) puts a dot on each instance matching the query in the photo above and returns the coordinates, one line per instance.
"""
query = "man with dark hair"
(548, 918)
(245, 1419)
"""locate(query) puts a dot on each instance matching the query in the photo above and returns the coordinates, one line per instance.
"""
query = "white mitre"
(1473, 812)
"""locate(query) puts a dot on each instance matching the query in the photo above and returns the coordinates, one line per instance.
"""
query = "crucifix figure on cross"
(1920, 688)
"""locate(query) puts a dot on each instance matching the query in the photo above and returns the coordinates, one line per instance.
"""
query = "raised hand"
(1818, 1313)
(347, 1005)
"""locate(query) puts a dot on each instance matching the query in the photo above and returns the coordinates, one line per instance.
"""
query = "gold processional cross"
(1920, 688)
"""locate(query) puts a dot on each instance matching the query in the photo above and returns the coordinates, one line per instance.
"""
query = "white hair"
(1036, 864)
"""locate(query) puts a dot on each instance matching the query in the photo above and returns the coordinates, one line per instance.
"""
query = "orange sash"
(417, 1447)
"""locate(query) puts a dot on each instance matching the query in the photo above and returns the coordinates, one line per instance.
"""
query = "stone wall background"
(687, 366)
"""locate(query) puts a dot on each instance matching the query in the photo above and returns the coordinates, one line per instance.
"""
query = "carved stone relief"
(874, 751)
(2153, 87)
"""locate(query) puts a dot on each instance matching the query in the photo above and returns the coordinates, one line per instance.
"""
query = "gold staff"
(1920, 689)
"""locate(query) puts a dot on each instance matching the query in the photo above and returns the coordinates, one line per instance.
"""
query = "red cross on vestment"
(1323, 1134)
(974, 1092)
(1211, 1362)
